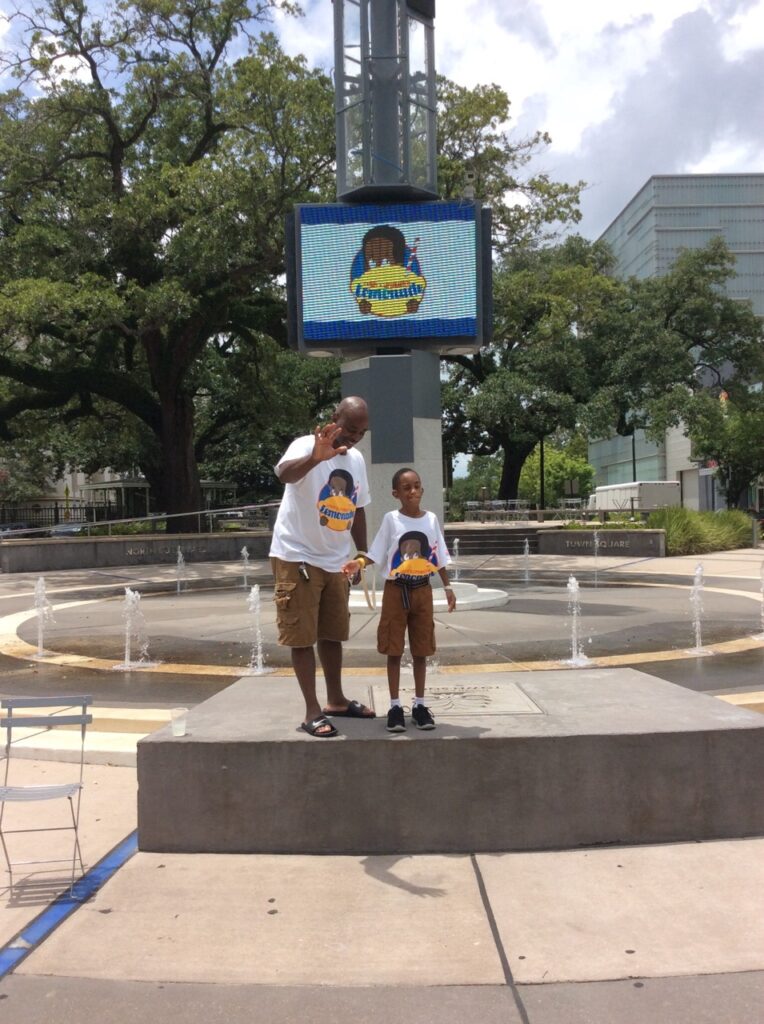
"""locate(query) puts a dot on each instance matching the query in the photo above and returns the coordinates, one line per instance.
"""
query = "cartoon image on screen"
(414, 557)
(371, 272)
(386, 278)
(337, 501)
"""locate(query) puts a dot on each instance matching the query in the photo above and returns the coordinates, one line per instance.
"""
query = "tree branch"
(58, 386)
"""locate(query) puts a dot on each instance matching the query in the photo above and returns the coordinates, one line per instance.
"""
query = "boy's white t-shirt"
(316, 513)
(409, 548)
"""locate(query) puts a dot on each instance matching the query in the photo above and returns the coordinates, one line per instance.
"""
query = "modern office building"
(670, 213)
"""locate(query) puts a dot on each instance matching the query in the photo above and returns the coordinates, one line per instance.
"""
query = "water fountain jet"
(526, 561)
(577, 658)
(44, 615)
(696, 604)
(180, 570)
(256, 665)
(135, 634)
(455, 558)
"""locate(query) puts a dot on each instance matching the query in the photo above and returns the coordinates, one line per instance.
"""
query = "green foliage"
(560, 467)
(668, 340)
(545, 362)
(24, 473)
(482, 480)
(731, 433)
(472, 137)
(142, 212)
(696, 533)
(129, 529)
(255, 399)
(575, 348)
(562, 463)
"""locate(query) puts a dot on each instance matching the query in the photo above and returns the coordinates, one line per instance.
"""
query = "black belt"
(406, 585)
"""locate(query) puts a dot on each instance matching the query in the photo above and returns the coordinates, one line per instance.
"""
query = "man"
(322, 509)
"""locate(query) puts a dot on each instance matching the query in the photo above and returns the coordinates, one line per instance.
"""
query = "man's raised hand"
(323, 445)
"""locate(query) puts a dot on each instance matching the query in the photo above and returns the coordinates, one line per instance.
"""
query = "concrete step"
(492, 540)
(111, 738)
(518, 761)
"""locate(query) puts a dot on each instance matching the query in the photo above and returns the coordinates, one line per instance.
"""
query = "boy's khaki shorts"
(310, 610)
(395, 618)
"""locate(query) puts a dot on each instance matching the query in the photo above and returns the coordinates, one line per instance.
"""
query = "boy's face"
(409, 491)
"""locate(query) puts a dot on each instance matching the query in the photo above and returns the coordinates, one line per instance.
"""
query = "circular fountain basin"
(469, 597)
(517, 623)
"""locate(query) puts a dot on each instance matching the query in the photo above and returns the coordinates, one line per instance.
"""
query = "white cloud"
(727, 155)
(625, 90)
(744, 32)
(312, 35)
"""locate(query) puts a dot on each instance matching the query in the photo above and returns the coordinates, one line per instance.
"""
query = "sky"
(626, 89)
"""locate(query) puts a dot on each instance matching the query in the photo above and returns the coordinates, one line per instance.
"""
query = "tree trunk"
(514, 460)
(180, 489)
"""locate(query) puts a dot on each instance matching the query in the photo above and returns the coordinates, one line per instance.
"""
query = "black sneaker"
(395, 720)
(422, 717)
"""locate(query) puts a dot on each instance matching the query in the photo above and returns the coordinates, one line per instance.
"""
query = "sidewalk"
(660, 934)
(669, 934)
(410, 936)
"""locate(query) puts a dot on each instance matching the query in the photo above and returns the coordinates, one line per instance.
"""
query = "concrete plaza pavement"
(664, 934)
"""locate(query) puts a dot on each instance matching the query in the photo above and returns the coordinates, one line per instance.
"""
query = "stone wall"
(636, 543)
(136, 549)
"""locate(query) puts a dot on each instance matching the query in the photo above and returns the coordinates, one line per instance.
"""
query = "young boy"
(410, 547)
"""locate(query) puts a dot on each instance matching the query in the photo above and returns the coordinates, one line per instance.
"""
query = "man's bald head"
(353, 405)
(352, 415)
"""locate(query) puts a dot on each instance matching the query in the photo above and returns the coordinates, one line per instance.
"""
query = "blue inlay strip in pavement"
(22, 944)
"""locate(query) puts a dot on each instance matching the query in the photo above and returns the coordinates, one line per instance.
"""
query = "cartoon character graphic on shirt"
(414, 560)
(385, 277)
(337, 501)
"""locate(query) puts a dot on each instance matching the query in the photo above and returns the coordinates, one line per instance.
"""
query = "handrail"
(156, 517)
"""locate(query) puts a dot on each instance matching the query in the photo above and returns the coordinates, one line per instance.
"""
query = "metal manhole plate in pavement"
(455, 700)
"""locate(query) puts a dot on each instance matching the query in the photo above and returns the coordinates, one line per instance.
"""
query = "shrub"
(611, 524)
(696, 533)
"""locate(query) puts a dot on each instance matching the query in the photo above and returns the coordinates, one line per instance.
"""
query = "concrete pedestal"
(405, 428)
(518, 761)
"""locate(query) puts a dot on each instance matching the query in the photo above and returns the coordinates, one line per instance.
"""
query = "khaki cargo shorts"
(312, 609)
(394, 620)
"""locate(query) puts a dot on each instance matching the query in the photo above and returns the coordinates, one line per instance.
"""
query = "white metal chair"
(62, 716)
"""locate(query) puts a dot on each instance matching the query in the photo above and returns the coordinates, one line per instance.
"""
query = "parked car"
(233, 520)
(11, 529)
(68, 529)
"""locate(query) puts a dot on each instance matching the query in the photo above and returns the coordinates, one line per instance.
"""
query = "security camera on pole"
(390, 277)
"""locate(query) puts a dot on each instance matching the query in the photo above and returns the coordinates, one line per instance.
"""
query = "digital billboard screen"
(405, 273)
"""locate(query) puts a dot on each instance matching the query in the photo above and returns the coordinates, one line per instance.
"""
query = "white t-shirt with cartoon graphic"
(316, 513)
(409, 548)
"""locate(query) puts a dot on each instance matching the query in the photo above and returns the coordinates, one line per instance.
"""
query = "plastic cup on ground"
(178, 721)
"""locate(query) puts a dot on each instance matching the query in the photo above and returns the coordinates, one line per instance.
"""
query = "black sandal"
(354, 709)
(312, 727)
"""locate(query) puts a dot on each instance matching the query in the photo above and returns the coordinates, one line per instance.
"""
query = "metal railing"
(243, 516)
